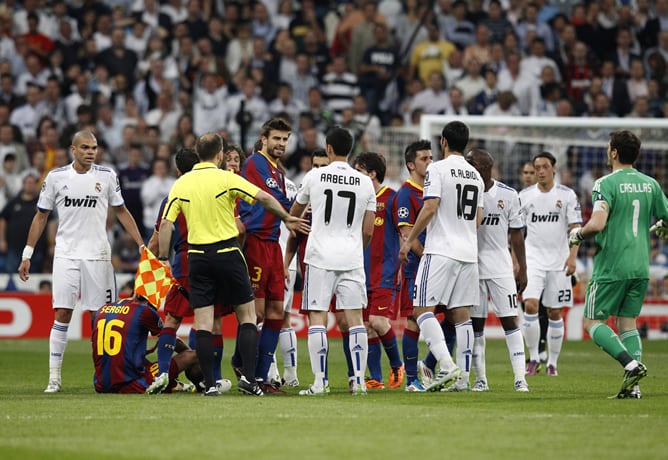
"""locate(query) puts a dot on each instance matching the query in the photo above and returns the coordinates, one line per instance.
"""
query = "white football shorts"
(554, 286)
(93, 280)
(441, 280)
(500, 294)
(320, 285)
(289, 293)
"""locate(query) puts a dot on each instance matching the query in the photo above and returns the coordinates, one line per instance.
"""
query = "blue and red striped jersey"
(264, 173)
(119, 342)
(179, 243)
(408, 205)
(381, 257)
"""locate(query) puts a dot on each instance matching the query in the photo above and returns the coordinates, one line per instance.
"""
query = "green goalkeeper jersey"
(622, 248)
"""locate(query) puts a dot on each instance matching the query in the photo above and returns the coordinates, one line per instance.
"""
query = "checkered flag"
(153, 279)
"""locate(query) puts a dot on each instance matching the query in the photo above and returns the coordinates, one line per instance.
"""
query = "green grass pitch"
(567, 417)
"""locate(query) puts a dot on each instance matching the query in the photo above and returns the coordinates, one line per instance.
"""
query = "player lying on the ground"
(119, 350)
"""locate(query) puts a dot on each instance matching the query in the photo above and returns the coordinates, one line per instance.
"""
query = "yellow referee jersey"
(207, 197)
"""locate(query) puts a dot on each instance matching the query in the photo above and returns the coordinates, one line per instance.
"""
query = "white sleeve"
(115, 197)
(303, 195)
(47, 196)
(371, 204)
(515, 217)
(432, 183)
(574, 214)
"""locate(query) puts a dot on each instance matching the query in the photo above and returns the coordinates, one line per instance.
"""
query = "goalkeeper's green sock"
(632, 342)
(609, 342)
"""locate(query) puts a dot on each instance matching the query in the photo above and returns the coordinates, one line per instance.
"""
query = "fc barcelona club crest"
(559, 205)
(500, 205)
(98, 187)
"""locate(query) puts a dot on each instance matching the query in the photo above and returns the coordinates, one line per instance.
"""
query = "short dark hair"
(185, 160)
(372, 161)
(413, 148)
(208, 145)
(548, 155)
(319, 153)
(275, 124)
(456, 135)
(627, 145)
(341, 141)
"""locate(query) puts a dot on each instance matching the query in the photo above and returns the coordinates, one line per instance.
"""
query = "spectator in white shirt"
(434, 99)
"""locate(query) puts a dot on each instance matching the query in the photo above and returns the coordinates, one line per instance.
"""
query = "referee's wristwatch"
(163, 258)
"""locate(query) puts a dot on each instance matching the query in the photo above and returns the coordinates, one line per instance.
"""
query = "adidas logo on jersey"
(88, 202)
(550, 217)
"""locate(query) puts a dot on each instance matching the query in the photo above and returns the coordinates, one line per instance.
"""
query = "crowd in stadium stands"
(150, 76)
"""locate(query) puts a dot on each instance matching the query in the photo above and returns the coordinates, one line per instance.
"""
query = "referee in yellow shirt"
(217, 269)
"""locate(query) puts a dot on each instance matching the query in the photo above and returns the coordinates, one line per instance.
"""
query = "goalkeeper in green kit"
(625, 202)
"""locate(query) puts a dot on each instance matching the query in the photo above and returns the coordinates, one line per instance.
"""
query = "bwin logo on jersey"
(271, 183)
(402, 213)
(88, 202)
(491, 219)
(550, 217)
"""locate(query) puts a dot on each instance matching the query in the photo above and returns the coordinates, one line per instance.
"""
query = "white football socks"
(555, 339)
(531, 332)
(318, 347)
(515, 345)
(57, 345)
(478, 366)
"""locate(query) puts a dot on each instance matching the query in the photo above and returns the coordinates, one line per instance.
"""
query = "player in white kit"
(343, 203)
(550, 211)
(80, 193)
(448, 270)
(287, 339)
(498, 287)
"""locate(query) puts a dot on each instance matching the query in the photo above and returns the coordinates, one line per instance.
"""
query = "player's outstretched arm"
(36, 229)
(519, 255)
(660, 229)
(129, 224)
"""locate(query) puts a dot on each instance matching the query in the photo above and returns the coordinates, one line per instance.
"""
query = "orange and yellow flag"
(153, 279)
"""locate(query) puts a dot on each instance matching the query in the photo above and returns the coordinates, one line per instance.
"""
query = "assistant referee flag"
(153, 279)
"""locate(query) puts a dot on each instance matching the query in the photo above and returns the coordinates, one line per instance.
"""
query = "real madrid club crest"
(98, 187)
(500, 204)
(559, 205)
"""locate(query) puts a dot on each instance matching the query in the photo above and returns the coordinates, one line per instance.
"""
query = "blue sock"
(409, 343)
(166, 344)
(217, 341)
(450, 335)
(389, 341)
(373, 359)
(267, 343)
(346, 352)
(430, 361)
(192, 343)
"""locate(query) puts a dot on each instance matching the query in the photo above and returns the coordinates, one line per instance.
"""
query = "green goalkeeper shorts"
(617, 298)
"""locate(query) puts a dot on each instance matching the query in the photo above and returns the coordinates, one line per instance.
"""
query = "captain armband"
(601, 206)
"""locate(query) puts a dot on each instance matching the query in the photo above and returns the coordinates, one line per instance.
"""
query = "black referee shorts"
(218, 274)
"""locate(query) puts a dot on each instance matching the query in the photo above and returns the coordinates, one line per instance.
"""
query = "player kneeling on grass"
(119, 350)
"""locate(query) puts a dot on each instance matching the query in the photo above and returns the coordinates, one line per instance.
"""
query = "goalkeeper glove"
(661, 230)
(575, 237)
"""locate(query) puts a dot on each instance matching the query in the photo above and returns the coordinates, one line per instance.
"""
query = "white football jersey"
(339, 196)
(547, 216)
(452, 232)
(291, 193)
(501, 213)
(81, 201)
